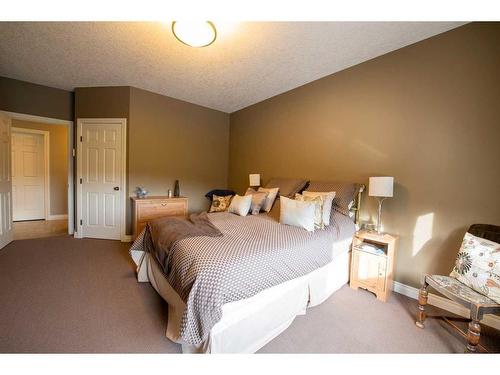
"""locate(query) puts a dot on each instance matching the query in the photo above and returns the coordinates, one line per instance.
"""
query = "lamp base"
(379, 221)
(374, 232)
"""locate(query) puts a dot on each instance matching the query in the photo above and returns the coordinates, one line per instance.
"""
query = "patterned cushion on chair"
(456, 288)
(478, 266)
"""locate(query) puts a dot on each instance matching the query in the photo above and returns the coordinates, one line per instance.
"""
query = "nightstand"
(372, 262)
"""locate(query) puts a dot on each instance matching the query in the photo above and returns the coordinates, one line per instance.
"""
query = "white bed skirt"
(247, 325)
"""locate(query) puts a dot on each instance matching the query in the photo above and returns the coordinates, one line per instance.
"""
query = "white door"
(5, 183)
(28, 175)
(100, 160)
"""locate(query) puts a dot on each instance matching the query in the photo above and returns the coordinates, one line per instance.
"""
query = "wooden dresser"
(154, 207)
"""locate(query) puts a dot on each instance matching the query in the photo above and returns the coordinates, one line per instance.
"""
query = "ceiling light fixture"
(194, 34)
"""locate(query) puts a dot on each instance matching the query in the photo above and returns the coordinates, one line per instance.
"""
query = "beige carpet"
(64, 295)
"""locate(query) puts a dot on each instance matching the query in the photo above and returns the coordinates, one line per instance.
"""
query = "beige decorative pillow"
(478, 266)
(318, 208)
(327, 204)
(272, 193)
(258, 200)
(240, 205)
(220, 204)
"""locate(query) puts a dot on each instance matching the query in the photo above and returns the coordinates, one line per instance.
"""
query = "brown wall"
(29, 98)
(427, 114)
(171, 139)
(102, 102)
(168, 139)
(58, 163)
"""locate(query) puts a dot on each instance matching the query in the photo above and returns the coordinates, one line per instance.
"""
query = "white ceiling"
(251, 62)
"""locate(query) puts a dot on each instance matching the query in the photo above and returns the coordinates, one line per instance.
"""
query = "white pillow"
(271, 196)
(297, 213)
(240, 205)
(327, 205)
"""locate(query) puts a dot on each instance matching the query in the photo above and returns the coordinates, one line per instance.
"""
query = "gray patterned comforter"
(254, 253)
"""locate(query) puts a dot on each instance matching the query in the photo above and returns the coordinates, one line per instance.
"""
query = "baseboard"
(445, 304)
(57, 217)
(126, 238)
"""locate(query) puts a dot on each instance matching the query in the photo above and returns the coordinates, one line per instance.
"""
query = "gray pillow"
(288, 186)
(258, 200)
(345, 193)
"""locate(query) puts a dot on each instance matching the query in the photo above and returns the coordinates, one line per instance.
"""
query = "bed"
(235, 293)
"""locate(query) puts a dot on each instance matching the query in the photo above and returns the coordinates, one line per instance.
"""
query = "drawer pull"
(163, 204)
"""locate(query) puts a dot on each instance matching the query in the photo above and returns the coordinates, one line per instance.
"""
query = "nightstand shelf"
(372, 263)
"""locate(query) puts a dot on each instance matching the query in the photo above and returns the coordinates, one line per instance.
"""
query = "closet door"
(101, 186)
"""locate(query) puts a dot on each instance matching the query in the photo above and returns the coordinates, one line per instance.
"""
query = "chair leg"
(473, 335)
(422, 302)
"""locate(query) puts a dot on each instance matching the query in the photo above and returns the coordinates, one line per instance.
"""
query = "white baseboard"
(57, 217)
(445, 304)
(126, 238)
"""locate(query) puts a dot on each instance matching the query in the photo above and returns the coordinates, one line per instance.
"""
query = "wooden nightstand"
(372, 263)
(149, 208)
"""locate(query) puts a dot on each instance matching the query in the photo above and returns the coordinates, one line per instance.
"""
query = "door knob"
(116, 188)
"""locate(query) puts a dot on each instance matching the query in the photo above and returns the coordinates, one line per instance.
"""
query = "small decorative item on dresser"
(141, 192)
(150, 208)
(177, 189)
(372, 263)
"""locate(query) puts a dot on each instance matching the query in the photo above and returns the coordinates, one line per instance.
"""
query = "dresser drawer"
(148, 211)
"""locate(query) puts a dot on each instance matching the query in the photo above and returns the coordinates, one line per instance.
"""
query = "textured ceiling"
(247, 64)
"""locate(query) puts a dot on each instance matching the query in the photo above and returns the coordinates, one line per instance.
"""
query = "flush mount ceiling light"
(194, 34)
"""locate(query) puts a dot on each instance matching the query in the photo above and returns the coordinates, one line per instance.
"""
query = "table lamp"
(381, 188)
(254, 179)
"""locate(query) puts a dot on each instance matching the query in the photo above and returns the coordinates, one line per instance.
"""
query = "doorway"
(40, 158)
(30, 174)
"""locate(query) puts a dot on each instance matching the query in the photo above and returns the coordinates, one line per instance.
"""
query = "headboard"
(357, 203)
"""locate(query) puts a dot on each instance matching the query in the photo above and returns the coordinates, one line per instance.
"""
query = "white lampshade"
(254, 179)
(381, 186)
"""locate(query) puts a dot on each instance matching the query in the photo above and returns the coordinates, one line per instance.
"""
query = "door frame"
(123, 193)
(46, 165)
(71, 155)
